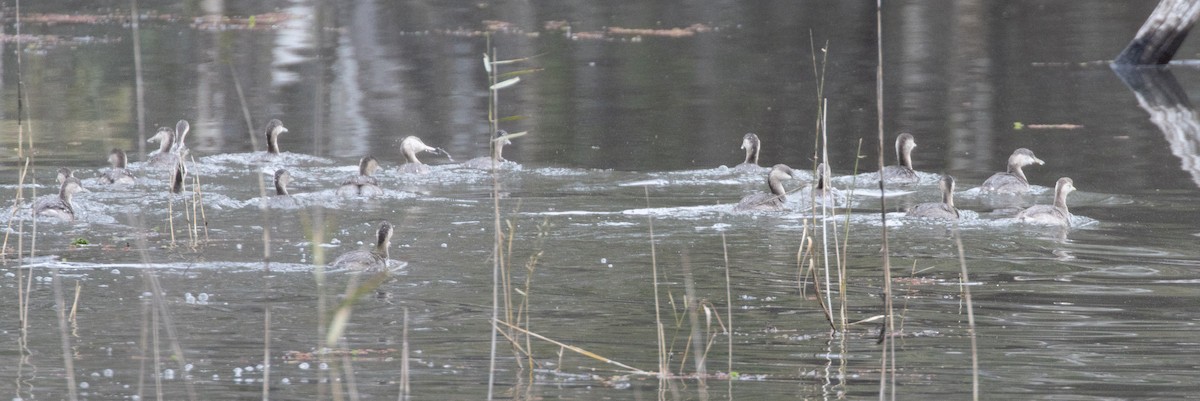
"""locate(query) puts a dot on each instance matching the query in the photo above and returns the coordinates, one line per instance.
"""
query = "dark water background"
(620, 127)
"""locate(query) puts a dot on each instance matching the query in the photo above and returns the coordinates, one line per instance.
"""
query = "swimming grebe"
(823, 191)
(282, 179)
(163, 157)
(768, 201)
(362, 184)
(117, 174)
(411, 145)
(1056, 215)
(902, 172)
(59, 206)
(272, 131)
(363, 260)
(938, 210)
(282, 199)
(752, 145)
(485, 162)
(1013, 180)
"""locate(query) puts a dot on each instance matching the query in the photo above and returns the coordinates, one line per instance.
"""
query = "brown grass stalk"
(65, 339)
(728, 309)
(660, 330)
(405, 390)
(964, 282)
(18, 201)
(581, 351)
(889, 347)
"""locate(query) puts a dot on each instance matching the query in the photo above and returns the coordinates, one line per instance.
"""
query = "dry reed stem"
(728, 305)
(405, 390)
(662, 340)
(164, 314)
(691, 303)
(517, 348)
(844, 253)
(237, 86)
(139, 87)
(315, 221)
(493, 98)
(351, 382)
(18, 201)
(266, 384)
(966, 290)
(581, 351)
(154, 317)
(74, 305)
(506, 277)
(530, 268)
(171, 215)
(889, 347)
(65, 339)
(146, 310)
(824, 139)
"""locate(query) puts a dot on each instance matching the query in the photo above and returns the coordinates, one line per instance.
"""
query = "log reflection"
(1160, 95)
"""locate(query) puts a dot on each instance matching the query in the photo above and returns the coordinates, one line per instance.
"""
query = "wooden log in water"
(1161, 34)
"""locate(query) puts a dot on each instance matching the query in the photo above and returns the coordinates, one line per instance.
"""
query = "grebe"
(486, 162)
(362, 184)
(938, 210)
(363, 260)
(59, 206)
(752, 145)
(902, 172)
(411, 145)
(180, 146)
(117, 174)
(1056, 215)
(823, 189)
(1013, 180)
(282, 199)
(272, 131)
(282, 179)
(768, 201)
(163, 157)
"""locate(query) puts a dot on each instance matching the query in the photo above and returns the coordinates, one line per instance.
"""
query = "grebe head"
(367, 165)
(181, 130)
(282, 179)
(752, 145)
(947, 186)
(63, 174)
(272, 131)
(117, 158)
(782, 171)
(502, 134)
(1063, 187)
(904, 146)
(385, 239)
(70, 187)
(1023, 157)
(498, 144)
(778, 173)
(165, 138)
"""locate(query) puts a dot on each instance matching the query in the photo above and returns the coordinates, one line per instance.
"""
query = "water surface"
(625, 131)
